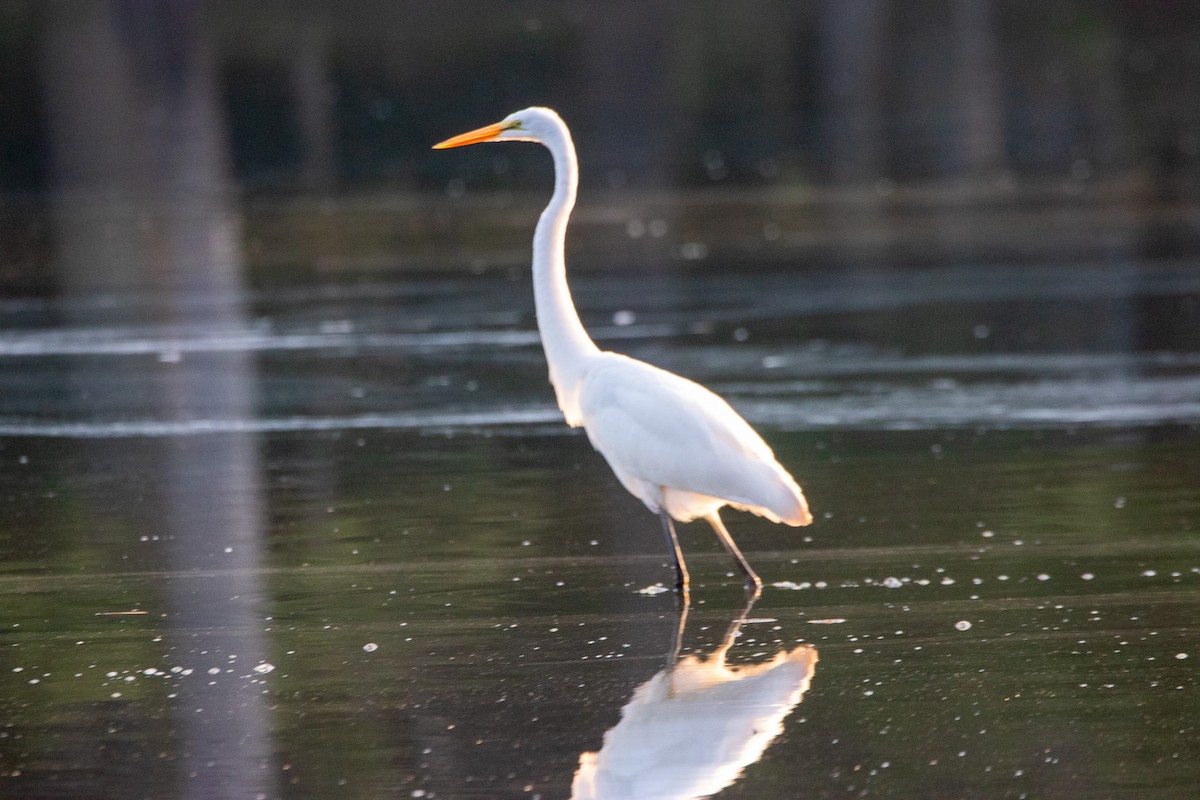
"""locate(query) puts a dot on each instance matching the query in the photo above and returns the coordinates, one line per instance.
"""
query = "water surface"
(343, 545)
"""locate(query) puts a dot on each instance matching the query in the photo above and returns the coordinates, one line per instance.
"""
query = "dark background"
(800, 134)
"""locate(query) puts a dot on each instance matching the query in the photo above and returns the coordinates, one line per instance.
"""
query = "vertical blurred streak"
(624, 50)
(313, 89)
(852, 37)
(852, 49)
(147, 231)
(980, 96)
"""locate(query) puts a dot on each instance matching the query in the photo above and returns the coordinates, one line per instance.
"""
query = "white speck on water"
(962, 625)
(1087, 576)
(445, 487)
(1043, 576)
(214, 670)
(228, 549)
(1119, 502)
(623, 318)
(1181, 656)
(740, 334)
(892, 583)
(1150, 573)
(264, 668)
(650, 591)
(987, 534)
(525, 543)
(370, 647)
(981, 331)
(947, 581)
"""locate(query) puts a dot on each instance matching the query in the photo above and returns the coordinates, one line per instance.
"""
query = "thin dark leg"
(681, 574)
(753, 583)
(735, 625)
(680, 625)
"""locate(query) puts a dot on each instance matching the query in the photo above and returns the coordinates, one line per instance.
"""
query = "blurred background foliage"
(843, 131)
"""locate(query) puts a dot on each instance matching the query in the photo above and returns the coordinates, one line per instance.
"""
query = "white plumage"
(673, 444)
(677, 446)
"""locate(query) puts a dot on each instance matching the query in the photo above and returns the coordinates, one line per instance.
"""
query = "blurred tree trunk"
(314, 95)
(147, 231)
(140, 166)
(624, 52)
(852, 39)
(980, 98)
(852, 48)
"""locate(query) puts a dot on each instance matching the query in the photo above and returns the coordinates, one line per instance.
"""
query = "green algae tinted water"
(346, 548)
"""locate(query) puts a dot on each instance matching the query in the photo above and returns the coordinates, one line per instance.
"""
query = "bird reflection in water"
(691, 730)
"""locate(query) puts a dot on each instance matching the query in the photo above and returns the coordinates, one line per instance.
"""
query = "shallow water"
(345, 547)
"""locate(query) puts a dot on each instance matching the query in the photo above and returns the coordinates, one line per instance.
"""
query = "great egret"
(673, 444)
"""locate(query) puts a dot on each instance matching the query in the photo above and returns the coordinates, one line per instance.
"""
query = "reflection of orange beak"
(488, 133)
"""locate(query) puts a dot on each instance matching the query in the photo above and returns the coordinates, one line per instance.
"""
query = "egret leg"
(681, 573)
(735, 624)
(753, 582)
(680, 626)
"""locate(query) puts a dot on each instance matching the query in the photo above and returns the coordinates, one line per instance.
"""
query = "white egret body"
(673, 444)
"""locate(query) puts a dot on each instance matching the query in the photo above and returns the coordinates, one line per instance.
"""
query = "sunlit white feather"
(677, 446)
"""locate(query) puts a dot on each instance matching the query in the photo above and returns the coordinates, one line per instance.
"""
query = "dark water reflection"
(340, 544)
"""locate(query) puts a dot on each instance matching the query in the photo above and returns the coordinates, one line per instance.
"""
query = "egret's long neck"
(567, 345)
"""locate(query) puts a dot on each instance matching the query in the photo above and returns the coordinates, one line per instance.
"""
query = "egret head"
(534, 124)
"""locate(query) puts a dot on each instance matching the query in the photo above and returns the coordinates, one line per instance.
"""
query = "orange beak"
(488, 133)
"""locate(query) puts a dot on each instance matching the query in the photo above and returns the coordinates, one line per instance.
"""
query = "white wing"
(658, 430)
